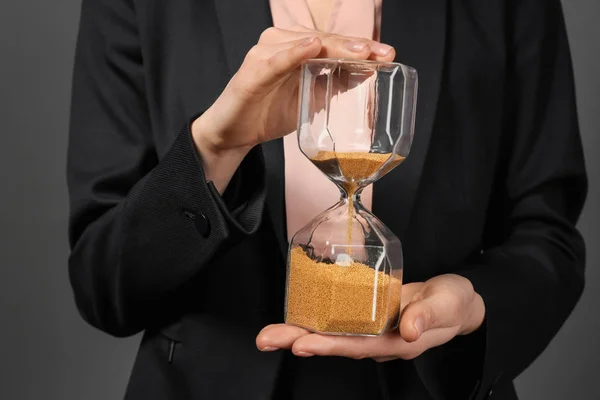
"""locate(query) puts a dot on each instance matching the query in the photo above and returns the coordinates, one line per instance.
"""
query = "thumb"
(422, 315)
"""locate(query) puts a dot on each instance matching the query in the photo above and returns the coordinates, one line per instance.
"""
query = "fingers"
(409, 293)
(289, 59)
(279, 52)
(279, 336)
(429, 311)
(428, 340)
(383, 348)
(344, 346)
(337, 47)
(266, 51)
(334, 46)
(265, 65)
(304, 343)
(275, 35)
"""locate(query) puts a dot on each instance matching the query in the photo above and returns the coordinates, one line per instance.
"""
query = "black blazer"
(492, 190)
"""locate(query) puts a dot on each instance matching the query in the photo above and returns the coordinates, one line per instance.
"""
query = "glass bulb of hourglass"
(345, 267)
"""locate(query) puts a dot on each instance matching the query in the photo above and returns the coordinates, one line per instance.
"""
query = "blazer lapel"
(417, 31)
(242, 22)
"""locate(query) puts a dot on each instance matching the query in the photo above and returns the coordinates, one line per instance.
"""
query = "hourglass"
(356, 123)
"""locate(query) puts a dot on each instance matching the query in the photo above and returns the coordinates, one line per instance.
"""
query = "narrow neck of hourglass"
(349, 193)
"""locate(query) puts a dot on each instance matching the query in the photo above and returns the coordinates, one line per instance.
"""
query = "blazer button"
(202, 225)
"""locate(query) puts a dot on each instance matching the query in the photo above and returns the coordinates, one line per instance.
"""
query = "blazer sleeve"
(140, 227)
(532, 279)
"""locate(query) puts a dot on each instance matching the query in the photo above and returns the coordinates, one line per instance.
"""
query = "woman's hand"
(434, 312)
(260, 103)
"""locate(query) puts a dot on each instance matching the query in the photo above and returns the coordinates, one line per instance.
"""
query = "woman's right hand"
(260, 102)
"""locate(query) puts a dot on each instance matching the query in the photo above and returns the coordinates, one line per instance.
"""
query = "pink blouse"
(307, 191)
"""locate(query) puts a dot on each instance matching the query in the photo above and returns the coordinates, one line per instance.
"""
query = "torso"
(187, 66)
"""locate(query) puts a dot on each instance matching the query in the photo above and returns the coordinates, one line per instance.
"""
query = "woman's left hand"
(433, 313)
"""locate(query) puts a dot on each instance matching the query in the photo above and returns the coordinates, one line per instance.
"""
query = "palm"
(258, 116)
(447, 306)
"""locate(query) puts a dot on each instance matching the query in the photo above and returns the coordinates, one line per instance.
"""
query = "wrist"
(209, 138)
(218, 162)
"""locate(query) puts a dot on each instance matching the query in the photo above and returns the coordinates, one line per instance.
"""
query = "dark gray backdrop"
(47, 352)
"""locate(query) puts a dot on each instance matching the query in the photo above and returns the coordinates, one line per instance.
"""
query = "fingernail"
(381, 49)
(268, 348)
(307, 41)
(419, 325)
(303, 354)
(356, 47)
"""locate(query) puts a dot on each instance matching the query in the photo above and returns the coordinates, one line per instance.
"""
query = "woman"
(181, 185)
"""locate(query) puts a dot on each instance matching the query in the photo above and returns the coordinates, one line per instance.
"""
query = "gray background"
(46, 350)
